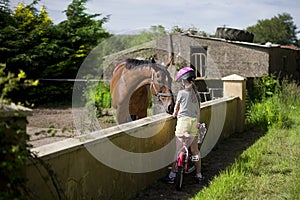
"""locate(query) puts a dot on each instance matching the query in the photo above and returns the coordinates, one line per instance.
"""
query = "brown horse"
(130, 88)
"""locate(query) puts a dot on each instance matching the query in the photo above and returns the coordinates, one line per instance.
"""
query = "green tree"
(279, 29)
(29, 41)
(5, 13)
(118, 43)
(20, 40)
(78, 35)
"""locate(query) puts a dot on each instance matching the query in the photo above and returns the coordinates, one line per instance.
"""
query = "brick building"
(214, 58)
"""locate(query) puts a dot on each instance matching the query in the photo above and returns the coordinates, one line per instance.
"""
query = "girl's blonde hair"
(190, 86)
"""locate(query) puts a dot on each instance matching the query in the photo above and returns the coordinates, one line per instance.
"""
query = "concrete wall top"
(9, 110)
(233, 77)
(78, 142)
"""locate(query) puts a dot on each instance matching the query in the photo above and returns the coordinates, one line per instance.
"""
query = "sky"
(204, 15)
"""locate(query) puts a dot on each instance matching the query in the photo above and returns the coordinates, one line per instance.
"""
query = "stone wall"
(117, 162)
(73, 169)
(225, 58)
(285, 61)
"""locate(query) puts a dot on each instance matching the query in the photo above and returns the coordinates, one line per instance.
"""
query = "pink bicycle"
(185, 160)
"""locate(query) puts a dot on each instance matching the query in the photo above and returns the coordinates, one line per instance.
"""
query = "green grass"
(270, 168)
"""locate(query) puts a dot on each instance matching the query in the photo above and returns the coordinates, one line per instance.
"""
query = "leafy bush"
(273, 103)
(98, 95)
(13, 143)
(264, 87)
(267, 113)
(9, 82)
(14, 153)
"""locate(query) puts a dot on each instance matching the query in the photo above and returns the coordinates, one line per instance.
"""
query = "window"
(198, 60)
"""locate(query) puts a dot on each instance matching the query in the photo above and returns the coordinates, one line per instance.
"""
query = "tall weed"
(263, 88)
(273, 103)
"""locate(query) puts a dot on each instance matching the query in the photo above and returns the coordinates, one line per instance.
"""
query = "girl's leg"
(195, 151)
(178, 146)
(170, 178)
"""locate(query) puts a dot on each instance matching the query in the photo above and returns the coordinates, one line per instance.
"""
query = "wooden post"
(235, 85)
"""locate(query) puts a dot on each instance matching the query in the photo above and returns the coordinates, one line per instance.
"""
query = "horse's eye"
(162, 98)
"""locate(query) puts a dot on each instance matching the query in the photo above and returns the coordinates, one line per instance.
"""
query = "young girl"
(187, 111)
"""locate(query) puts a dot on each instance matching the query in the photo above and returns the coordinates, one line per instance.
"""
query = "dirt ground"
(47, 125)
(52, 124)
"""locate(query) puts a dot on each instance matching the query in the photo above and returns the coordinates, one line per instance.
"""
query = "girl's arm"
(176, 109)
(198, 98)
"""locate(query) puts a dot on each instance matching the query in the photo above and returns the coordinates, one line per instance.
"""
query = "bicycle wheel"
(179, 178)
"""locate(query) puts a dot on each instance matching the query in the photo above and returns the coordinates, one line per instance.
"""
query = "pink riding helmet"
(185, 73)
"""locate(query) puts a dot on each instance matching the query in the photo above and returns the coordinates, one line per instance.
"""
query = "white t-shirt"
(188, 102)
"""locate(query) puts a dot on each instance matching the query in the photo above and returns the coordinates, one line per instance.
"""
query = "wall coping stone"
(78, 142)
(233, 77)
(9, 110)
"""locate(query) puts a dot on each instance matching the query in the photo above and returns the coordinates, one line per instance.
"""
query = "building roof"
(289, 47)
(266, 45)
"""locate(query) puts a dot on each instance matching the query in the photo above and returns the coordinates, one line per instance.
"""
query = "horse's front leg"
(122, 113)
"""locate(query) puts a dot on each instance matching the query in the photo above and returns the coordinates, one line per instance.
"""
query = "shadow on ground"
(222, 156)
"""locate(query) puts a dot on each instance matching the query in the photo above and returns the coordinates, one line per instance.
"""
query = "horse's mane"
(131, 63)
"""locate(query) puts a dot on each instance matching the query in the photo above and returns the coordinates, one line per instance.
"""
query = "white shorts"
(186, 124)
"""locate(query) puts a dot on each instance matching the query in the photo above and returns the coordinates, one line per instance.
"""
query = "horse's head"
(161, 87)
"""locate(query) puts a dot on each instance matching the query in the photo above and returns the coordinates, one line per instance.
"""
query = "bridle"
(158, 94)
